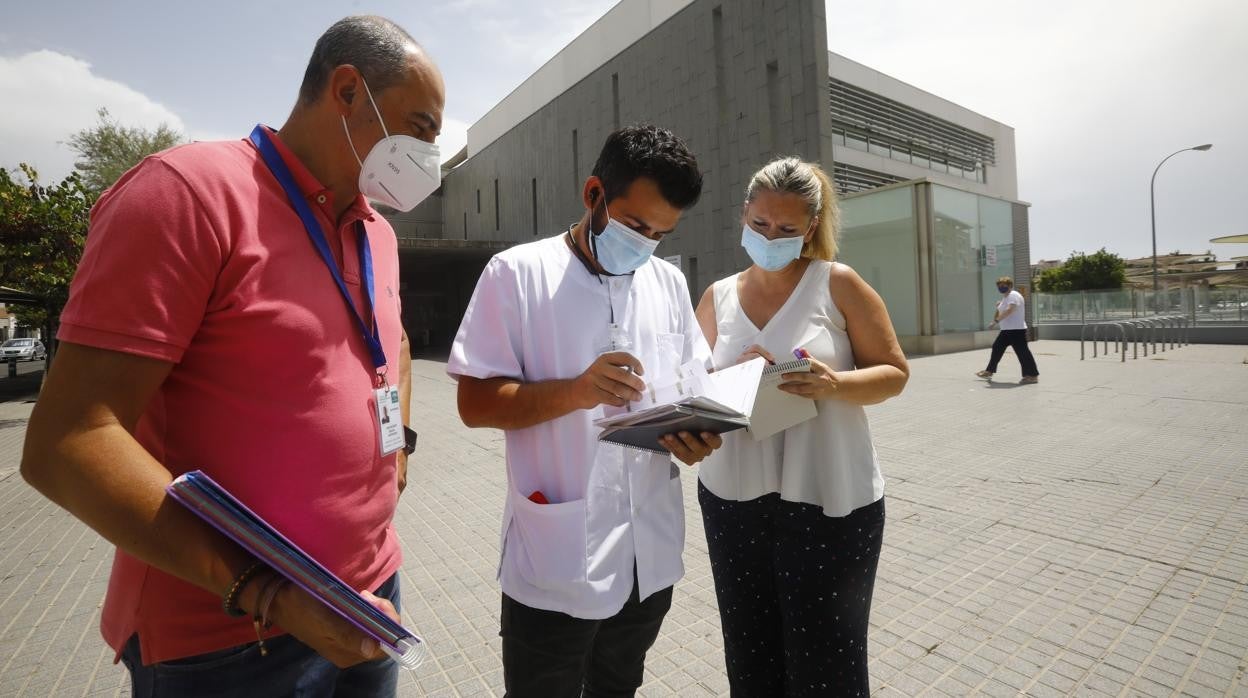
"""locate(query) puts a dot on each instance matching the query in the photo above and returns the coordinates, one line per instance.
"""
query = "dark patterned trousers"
(794, 589)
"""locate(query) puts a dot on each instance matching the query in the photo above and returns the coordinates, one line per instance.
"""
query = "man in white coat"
(557, 329)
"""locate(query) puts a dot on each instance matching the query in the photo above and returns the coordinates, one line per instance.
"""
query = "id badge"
(389, 419)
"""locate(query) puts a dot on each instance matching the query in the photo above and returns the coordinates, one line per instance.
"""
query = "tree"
(42, 232)
(43, 227)
(1052, 281)
(1084, 272)
(108, 149)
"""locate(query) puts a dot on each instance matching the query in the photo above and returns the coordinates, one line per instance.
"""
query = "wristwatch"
(409, 440)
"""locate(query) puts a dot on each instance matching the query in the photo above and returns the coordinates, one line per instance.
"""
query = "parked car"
(22, 350)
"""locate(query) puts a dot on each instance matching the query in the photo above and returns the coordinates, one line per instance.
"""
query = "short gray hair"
(376, 46)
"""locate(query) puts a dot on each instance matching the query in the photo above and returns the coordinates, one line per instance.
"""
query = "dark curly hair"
(645, 150)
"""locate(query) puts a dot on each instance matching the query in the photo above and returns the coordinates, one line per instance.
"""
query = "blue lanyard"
(372, 337)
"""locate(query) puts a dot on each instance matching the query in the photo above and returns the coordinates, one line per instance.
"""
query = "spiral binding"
(409, 653)
(655, 451)
(794, 365)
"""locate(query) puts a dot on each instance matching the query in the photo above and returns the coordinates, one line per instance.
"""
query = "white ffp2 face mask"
(400, 171)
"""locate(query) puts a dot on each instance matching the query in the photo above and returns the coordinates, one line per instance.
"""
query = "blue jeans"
(290, 669)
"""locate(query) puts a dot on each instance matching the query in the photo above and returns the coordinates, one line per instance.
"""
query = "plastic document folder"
(199, 493)
(737, 397)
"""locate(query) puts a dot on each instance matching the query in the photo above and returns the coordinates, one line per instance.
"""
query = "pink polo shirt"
(197, 257)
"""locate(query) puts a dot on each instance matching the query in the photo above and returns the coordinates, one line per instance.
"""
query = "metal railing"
(1172, 331)
(1200, 305)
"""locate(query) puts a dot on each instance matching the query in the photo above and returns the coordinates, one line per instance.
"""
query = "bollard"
(13, 367)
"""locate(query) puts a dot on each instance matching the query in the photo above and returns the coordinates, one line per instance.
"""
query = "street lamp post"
(1152, 203)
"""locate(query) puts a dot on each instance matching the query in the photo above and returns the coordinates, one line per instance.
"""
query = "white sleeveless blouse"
(828, 460)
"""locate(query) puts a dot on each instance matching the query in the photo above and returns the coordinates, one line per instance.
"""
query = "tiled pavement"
(1085, 536)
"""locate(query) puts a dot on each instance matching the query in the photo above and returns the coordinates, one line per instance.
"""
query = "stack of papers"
(742, 396)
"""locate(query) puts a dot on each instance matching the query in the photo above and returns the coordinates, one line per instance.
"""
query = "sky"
(1098, 92)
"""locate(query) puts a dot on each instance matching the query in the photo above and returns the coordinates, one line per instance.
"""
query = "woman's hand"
(753, 352)
(821, 383)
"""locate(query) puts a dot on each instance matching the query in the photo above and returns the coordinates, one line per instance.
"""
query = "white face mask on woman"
(772, 255)
(400, 171)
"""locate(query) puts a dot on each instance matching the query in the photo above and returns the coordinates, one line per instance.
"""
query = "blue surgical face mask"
(1003, 289)
(772, 255)
(619, 248)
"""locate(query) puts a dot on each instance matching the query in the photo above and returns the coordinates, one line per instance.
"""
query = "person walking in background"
(794, 523)
(1011, 317)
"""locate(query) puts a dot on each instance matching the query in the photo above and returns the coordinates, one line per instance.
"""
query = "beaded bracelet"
(230, 601)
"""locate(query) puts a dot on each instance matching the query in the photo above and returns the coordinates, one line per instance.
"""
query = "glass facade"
(973, 245)
(879, 239)
(996, 231)
(970, 244)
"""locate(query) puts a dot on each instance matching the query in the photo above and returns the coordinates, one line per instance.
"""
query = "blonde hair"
(1005, 281)
(806, 179)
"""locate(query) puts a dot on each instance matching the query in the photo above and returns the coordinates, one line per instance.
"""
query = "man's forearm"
(106, 479)
(405, 380)
(80, 452)
(405, 404)
(506, 403)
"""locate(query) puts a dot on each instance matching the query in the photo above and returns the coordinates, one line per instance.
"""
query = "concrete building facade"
(742, 82)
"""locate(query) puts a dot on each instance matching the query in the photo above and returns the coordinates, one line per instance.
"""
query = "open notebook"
(775, 410)
(211, 502)
(737, 397)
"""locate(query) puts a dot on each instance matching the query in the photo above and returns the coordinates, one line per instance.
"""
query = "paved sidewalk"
(1085, 536)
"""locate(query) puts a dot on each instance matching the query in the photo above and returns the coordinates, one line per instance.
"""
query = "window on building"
(615, 99)
(872, 123)
(535, 207)
(773, 104)
(478, 202)
(693, 277)
(498, 218)
(848, 178)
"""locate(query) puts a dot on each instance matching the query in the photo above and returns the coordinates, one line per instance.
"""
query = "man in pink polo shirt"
(211, 326)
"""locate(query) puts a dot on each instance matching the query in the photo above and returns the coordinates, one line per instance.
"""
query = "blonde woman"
(794, 522)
